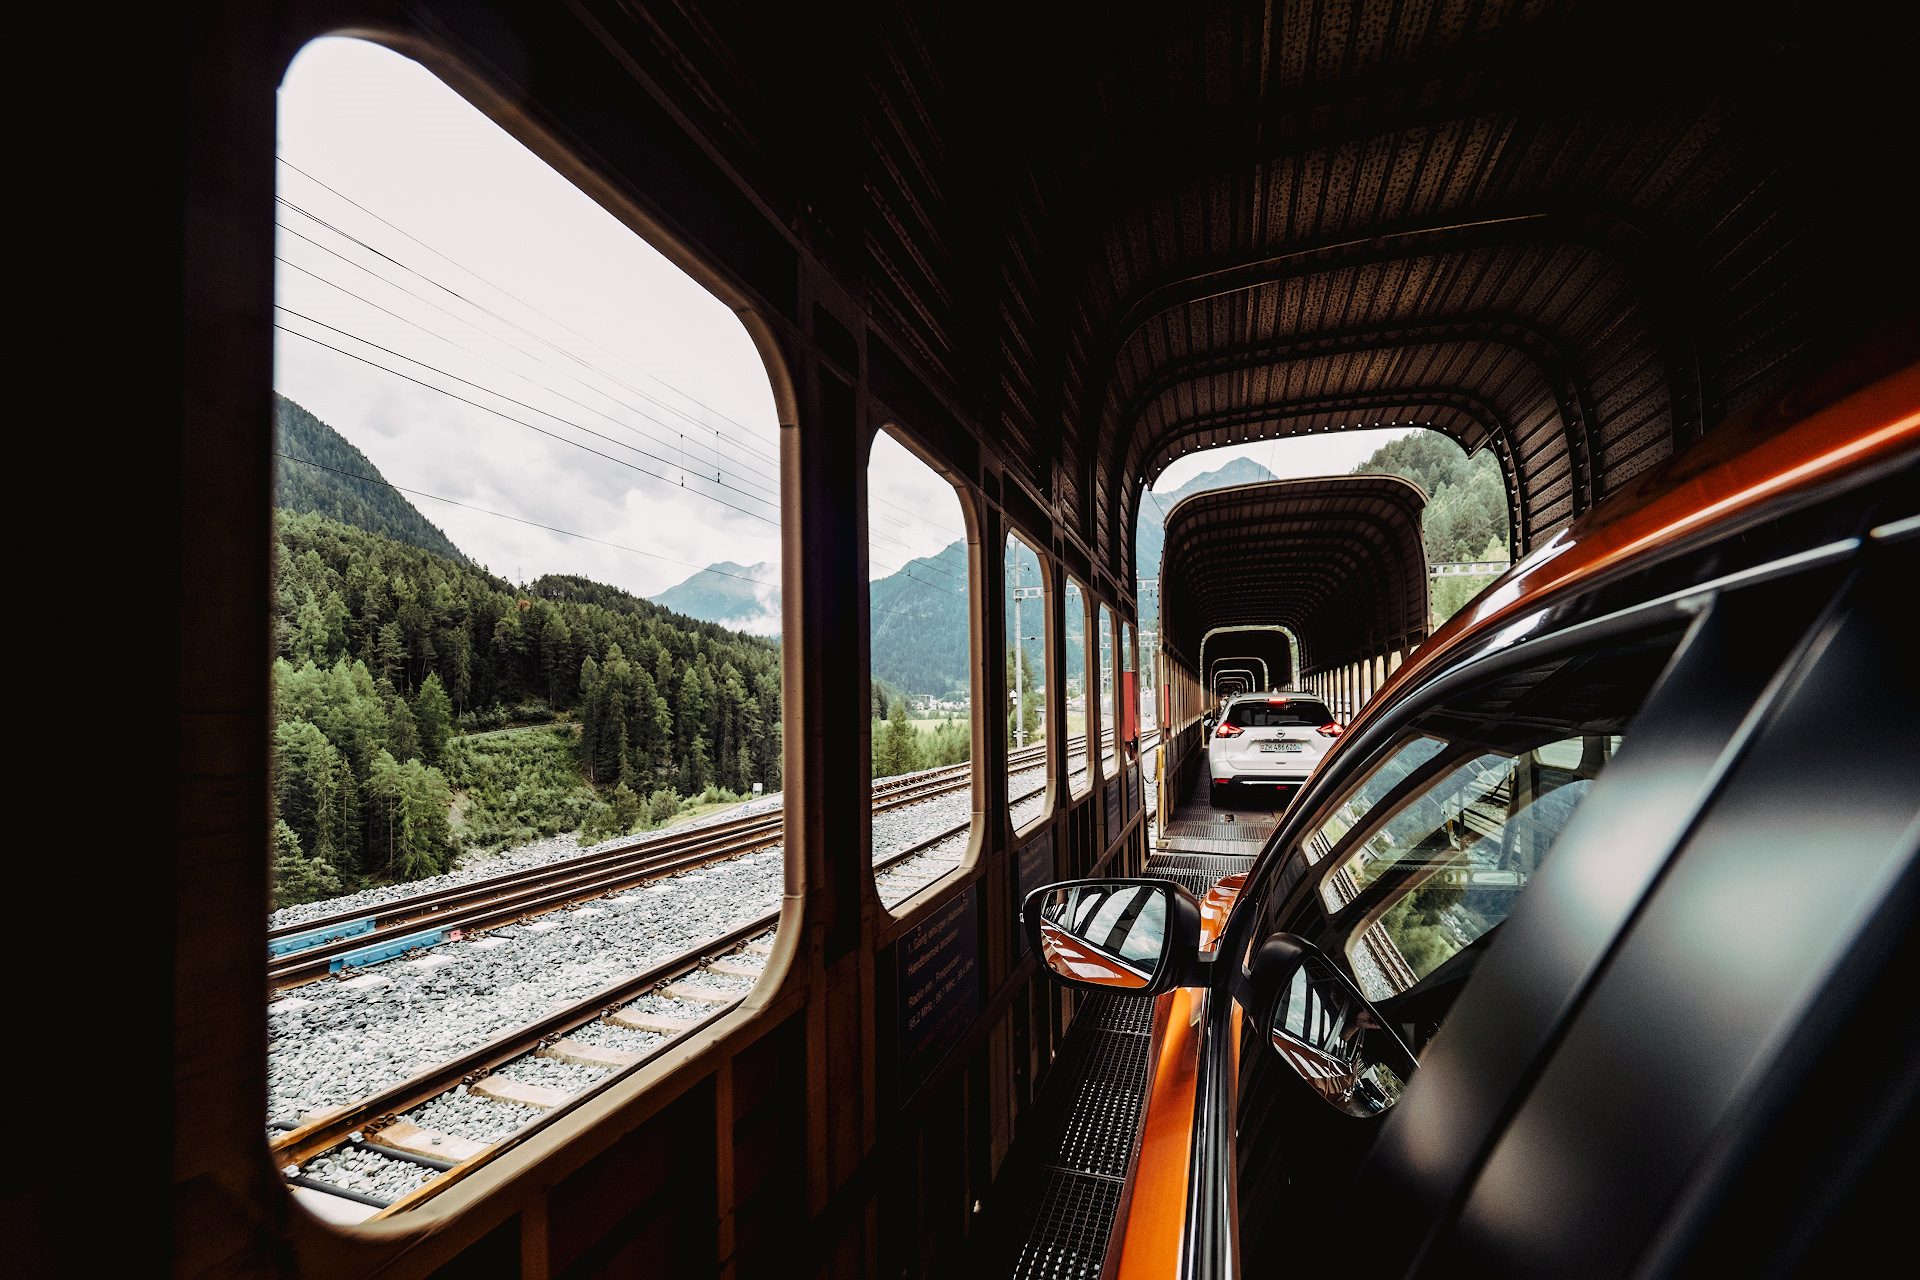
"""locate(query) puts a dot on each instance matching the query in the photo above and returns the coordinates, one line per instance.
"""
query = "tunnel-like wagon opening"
(1333, 564)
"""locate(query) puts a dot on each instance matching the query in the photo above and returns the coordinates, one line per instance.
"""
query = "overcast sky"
(1326, 455)
(499, 272)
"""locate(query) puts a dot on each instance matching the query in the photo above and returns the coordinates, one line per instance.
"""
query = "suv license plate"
(1283, 748)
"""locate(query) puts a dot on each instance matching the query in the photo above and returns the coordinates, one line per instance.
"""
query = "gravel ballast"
(480, 865)
(333, 1042)
(368, 1172)
(342, 1039)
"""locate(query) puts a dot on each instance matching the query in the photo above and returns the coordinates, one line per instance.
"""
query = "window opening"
(920, 670)
(1025, 647)
(477, 365)
(1076, 688)
(1109, 700)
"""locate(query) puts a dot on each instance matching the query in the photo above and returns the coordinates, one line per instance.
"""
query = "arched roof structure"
(1063, 245)
(1337, 560)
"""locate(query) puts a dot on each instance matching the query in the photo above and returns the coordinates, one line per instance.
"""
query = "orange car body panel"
(1216, 907)
(1765, 455)
(1059, 948)
(1148, 1239)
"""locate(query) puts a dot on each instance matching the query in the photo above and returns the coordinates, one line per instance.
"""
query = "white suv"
(1266, 745)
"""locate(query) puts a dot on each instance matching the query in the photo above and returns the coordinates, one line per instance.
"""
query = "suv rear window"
(1278, 714)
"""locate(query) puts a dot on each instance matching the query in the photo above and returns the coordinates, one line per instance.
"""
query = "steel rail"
(333, 1127)
(505, 899)
(424, 908)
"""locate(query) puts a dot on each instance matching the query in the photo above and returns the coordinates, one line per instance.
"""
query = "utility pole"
(1020, 638)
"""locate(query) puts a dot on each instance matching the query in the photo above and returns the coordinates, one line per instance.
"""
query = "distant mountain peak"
(739, 597)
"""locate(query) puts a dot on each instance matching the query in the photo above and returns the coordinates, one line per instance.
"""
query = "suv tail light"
(1227, 731)
(1330, 730)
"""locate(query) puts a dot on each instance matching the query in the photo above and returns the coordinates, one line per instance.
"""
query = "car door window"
(1465, 848)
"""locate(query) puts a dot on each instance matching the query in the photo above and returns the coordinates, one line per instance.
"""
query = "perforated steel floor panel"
(1247, 827)
(1116, 1013)
(1218, 864)
(1066, 1236)
(1195, 882)
(1097, 1135)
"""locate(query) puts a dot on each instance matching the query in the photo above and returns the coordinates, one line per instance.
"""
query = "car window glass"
(1374, 788)
(1425, 831)
(1489, 825)
(1273, 715)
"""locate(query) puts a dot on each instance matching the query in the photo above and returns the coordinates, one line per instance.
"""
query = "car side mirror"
(1322, 1027)
(1128, 937)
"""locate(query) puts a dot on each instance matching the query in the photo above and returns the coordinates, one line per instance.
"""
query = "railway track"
(303, 953)
(376, 1126)
(320, 1154)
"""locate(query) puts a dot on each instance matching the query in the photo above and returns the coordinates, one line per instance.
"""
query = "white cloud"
(912, 510)
(1332, 454)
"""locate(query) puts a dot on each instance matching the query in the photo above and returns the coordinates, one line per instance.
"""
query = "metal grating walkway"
(1196, 827)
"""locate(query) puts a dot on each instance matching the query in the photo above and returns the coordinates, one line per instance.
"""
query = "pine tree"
(433, 716)
(296, 877)
(390, 652)
(347, 835)
(898, 752)
(403, 735)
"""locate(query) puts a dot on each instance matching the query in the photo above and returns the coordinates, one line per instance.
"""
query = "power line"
(501, 515)
(618, 444)
(622, 462)
(492, 361)
(503, 293)
(522, 302)
(392, 284)
(898, 543)
(932, 564)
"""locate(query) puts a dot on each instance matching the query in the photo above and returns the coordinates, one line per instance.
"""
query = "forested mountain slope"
(919, 621)
(1466, 516)
(383, 646)
(300, 439)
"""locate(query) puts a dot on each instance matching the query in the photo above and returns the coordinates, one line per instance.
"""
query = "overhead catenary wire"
(701, 428)
(931, 563)
(505, 294)
(521, 350)
(622, 462)
(362, 267)
(899, 543)
(441, 337)
(618, 444)
(906, 570)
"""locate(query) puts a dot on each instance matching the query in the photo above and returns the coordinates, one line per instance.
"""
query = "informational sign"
(1133, 789)
(939, 986)
(1113, 809)
(1035, 869)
